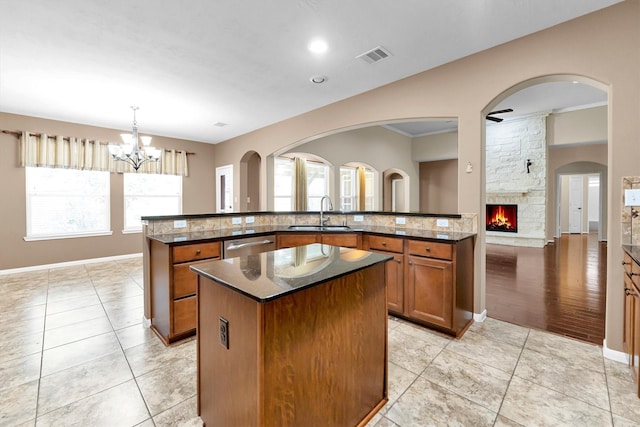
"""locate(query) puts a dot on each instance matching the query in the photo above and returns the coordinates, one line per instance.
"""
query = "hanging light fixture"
(130, 150)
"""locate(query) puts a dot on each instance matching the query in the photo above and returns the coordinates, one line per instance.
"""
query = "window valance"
(42, 150)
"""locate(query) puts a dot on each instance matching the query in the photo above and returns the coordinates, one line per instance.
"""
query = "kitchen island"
(292, 337)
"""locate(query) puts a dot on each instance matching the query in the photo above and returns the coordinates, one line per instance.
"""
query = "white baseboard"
(480, 317)
(67, 264)
(146, 322)
(615, 355)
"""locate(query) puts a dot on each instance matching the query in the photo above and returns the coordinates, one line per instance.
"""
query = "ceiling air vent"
(374, 55)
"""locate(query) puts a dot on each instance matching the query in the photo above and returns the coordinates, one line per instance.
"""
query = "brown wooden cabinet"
(631, 335)
(430, 290)
(173, 287)
(347, 240)
(438, 285)
(290, 240)
(394, 273)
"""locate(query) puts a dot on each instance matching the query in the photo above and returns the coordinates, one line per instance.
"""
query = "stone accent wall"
(510, 145)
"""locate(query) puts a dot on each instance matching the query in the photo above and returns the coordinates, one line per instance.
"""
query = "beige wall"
(585, 126)
(439, 186)
(440, 146)
(197, 192)
(380, 148)
(600, 48)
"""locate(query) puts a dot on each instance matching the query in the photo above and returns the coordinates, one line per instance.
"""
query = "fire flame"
(500, 220)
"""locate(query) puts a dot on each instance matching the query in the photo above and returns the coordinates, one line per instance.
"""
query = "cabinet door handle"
(398, 261)
(633, 274)
(197, 251)
(625, 263)
(384, 243)
(428, 249)
(410, 262)
(628, 291)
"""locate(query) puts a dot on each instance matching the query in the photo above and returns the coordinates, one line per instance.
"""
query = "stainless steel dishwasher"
(248, 246)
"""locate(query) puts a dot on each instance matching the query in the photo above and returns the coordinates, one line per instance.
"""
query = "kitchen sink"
(319, 227)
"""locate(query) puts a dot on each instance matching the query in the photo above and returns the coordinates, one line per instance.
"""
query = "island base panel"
(314, 357)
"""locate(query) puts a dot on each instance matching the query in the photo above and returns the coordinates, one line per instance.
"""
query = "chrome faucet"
(323, 220)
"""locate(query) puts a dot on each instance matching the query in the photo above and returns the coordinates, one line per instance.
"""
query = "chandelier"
(130, 150)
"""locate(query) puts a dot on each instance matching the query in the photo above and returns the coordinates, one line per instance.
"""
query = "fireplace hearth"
(502, 218)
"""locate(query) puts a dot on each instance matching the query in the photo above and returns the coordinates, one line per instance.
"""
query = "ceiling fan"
(498, 119)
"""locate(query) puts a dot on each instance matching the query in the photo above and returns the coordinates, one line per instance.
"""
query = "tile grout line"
(124, 354)
(524, 343)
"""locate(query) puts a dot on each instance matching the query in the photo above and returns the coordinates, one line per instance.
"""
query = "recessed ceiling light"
(318, 79)
(220, 124)
(318, 46)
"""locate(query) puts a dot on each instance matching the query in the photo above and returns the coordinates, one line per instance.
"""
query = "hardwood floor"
(560, 288)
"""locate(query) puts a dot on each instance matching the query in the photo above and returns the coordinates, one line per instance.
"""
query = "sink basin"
(319, 228)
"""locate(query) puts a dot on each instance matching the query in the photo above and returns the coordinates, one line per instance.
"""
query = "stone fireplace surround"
(510, 146)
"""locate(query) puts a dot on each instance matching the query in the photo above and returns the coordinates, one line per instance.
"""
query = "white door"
(224, 188)
(575, 203)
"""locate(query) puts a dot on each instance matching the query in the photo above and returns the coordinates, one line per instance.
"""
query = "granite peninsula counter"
(291, 337)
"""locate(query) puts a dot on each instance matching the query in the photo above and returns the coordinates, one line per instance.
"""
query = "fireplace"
(502, 218)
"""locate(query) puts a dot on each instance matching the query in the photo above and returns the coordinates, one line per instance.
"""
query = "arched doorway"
(395, 191)
(534, 146)
(250, 182)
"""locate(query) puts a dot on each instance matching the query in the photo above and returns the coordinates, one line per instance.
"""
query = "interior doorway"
(224, 188)
(250, 182)
(572, 211)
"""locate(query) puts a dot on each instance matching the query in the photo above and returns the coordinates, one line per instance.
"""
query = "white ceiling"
(191, 64)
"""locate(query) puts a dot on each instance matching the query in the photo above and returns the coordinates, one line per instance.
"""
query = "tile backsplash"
(467, 223)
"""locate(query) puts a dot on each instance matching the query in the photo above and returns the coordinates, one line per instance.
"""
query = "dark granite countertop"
(633, 251)
(226, 233)
(271, 275)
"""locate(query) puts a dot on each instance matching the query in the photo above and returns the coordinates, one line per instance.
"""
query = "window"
(283, 184)
(66, 203)
(350, 187)
(150, 195)
(348, 192)
(317, 184)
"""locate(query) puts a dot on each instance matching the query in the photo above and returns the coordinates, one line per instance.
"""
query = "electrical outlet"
(224, 332)
(180, 223)
(236, 220)
(442, 222)
(400, 220)
(249, 220)
(358, 218)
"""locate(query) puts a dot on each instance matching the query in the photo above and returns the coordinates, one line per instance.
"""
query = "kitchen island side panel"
(228, 379)
(325, 352)
(313, 357)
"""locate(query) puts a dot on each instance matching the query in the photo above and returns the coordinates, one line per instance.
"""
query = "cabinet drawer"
(185, 280)
(184, 315)
(344, 240)
(430, 249)
(196, 251)
(390, 244)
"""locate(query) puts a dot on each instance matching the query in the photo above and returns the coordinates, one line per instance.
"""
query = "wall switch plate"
(224, 332)
(249, 219)
(180, 223)
(631, 197)
(358, 218)
(442, 222)
(236, 220)
(400, 220)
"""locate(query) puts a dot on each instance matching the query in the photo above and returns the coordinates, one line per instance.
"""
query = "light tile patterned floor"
(74, 352)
